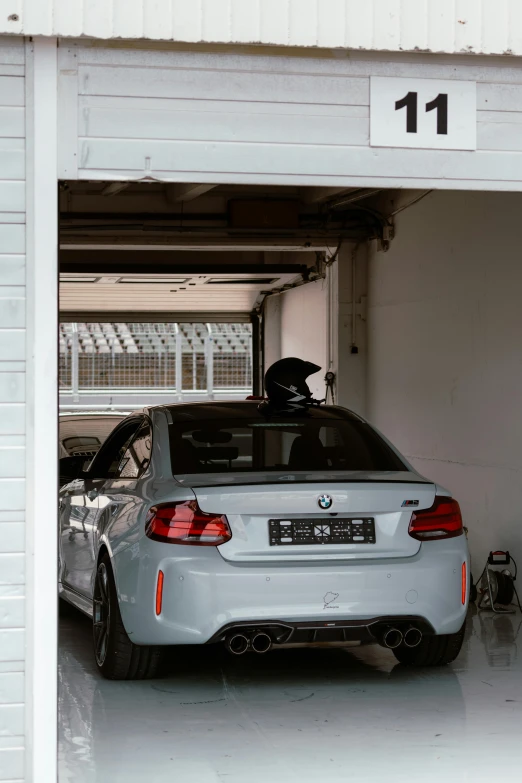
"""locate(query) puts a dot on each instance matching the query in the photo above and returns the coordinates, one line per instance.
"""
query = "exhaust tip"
(392, 638)
(412, 637)
(237, 644)
(261, 642)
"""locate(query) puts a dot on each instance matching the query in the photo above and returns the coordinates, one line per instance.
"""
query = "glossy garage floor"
(296, 715)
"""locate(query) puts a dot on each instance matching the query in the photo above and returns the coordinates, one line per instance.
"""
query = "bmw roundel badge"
(325, 502)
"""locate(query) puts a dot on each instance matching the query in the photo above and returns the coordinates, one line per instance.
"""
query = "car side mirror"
(71, 468)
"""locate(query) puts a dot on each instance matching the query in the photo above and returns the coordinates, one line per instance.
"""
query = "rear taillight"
(185, 523)
(442, 520)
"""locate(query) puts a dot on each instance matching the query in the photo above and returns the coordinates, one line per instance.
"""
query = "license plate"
(296, 532)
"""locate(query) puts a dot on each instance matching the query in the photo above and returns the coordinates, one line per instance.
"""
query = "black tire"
(432, 651)
(117, 658)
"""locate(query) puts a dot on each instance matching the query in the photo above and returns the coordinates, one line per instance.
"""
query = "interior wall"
(296, 325)
(445, 364)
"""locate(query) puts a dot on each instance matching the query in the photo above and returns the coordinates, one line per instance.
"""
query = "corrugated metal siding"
(453, 26)
(12, 408)
(208, 117)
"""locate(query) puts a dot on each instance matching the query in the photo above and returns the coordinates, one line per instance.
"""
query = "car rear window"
(297, 444)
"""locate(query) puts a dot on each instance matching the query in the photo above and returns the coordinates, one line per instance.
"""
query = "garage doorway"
(167, 301)
(97, 261)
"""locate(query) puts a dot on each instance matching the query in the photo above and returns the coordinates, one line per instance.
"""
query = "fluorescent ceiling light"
(241, 281)
(78, 279)
(147, 280)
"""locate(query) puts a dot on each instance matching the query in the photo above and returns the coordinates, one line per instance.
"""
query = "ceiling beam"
(114, 187)
(152, 316)
(351, 198)
(129, 263)
(218, 243)
(179, 191)
(316, 195)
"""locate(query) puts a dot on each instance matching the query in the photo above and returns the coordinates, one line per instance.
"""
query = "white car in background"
(219, 522)
(80, 436)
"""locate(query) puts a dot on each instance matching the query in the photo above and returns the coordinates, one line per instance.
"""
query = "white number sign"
(427, 113)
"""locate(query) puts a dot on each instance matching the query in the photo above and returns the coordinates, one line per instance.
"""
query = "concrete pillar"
(41, 561)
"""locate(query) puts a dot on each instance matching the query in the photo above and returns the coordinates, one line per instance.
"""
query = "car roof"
(90, 415)
(245, 409)
(215, 409)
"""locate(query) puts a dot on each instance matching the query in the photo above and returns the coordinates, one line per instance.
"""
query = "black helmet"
(285, 383)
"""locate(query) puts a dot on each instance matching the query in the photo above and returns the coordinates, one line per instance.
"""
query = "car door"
(80, 509)
(120, 502)
(78, 514)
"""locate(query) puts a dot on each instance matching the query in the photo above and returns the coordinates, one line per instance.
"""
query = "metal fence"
(155, 356)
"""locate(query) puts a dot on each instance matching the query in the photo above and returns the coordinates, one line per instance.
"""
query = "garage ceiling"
(182, 251)
(183, 215)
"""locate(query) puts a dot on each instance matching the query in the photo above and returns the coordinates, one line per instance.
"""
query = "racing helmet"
(285, 383)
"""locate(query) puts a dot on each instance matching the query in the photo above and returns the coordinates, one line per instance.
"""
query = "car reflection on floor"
(295, 715)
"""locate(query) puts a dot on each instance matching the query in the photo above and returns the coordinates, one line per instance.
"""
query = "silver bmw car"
(219, 522)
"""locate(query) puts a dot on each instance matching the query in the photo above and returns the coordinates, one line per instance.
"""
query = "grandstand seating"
(139, 354)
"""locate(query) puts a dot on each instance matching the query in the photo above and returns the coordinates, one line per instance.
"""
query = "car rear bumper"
(306, 632)
(203, 594)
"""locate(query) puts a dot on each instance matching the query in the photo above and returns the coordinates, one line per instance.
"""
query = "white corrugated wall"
(12, 407)
(453, 26)
(196, 116)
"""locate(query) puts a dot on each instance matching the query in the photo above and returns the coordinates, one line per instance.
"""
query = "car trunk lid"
(253, 510)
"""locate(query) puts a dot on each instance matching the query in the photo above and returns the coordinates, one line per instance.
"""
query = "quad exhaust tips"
(412, 637)
(239, 643)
